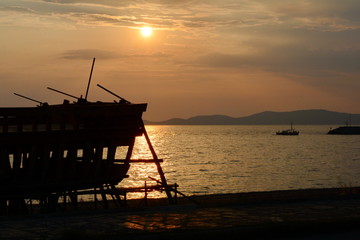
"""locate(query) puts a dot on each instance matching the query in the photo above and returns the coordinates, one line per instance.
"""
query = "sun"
(146, 31)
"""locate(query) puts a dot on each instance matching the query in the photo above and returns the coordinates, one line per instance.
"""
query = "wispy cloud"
(318, 15)
(87, 54)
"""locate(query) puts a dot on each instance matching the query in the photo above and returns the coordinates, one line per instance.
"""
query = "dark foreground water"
(229, 159)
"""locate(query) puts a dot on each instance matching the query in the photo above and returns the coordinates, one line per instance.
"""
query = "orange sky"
(204, 57)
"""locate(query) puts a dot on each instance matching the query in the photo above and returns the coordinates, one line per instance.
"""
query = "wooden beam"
(138, 160)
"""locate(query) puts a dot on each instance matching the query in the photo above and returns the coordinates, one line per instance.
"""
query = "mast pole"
(88, 86)
(107, 90)
(62, 92)
(41, 103)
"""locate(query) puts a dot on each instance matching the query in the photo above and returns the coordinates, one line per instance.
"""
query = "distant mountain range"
(300, 117)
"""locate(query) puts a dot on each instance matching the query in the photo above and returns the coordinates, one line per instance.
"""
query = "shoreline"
(275, 196)
(277, 214)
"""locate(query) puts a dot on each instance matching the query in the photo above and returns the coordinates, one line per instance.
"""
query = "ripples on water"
(230, 159)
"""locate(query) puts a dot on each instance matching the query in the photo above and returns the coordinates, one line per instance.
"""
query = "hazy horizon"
(209, 115)
(234, 58)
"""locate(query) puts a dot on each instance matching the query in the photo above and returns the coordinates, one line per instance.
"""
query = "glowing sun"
(146, 31)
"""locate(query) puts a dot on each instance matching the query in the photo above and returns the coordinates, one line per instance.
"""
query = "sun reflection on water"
(139, 172)
(229, 159)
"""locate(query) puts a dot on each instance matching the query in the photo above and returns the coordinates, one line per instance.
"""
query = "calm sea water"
(231, 159)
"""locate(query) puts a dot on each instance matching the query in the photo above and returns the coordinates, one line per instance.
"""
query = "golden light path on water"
(229, 159)
(139, 173)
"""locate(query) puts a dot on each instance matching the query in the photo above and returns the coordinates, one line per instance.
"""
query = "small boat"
(345, 130)
(290, 132)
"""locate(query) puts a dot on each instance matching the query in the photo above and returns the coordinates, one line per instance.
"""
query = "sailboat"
(290, 131)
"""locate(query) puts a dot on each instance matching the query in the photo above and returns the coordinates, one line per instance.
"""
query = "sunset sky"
(232, 57)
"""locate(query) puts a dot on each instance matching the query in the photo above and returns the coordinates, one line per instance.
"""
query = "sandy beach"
(297, 214)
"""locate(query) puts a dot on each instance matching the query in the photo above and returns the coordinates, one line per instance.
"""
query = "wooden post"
(146, 193)
(57, 163)
(43, 162)
(71, 160)
(130, 149)
(98, 162)
(17, 161)
(95, 198)
(74, 198)
(4, 160)
(116, 194)
(103, 195)
(110, 158)
(175, 194)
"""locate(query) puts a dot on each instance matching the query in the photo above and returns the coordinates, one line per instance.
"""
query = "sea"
(219, 159)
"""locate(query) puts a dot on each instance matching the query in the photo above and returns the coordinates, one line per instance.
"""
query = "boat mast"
(88, 86)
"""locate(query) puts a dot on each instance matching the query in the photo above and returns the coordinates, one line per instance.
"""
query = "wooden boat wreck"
(53, 151)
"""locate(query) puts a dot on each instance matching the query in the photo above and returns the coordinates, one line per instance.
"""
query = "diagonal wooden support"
(158, 166)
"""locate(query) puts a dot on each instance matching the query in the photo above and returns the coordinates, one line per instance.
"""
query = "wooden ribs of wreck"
(57, 150)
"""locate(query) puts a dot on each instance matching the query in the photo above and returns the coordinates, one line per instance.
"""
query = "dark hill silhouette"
(300, 117)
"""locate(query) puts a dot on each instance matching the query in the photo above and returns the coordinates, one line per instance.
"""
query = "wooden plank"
(43, 163)
(58, 163)
(71, 162)
(4, 161)
(139, 160)
(17, 162)
(110, 158)
(88, 154)
(5, 124)
(103, 195)
(130, 149)
(98, 160)
(31, 161)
